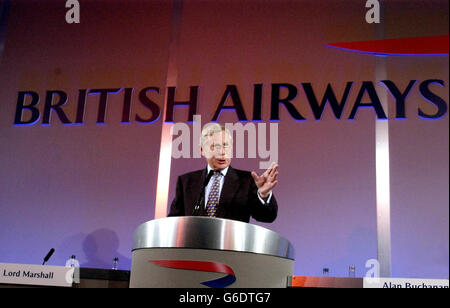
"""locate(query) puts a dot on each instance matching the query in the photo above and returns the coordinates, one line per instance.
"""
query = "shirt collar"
(223, 171)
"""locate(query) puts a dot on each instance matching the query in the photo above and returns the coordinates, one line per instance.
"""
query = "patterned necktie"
(213, 198)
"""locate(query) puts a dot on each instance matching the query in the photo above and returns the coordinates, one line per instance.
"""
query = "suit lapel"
(229, 189)
(196, 189)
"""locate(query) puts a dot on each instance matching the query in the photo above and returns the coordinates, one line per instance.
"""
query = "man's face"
(217, 150)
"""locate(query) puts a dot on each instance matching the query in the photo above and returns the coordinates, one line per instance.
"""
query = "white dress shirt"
(223, 173)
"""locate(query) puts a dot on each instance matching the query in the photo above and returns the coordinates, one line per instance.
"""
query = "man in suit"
(230, 193)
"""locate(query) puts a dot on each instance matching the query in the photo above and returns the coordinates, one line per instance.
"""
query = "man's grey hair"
(211, 129)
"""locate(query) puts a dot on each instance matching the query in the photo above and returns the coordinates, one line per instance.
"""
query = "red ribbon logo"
(204, 266)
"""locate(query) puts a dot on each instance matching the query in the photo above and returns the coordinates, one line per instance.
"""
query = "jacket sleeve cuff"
(262, 200)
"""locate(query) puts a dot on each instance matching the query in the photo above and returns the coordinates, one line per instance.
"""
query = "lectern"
(196, 252)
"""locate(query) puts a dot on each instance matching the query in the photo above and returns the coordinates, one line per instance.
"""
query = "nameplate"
(405, 283)
(38, 275)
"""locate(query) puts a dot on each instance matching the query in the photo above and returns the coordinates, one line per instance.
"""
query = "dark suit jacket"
(238, 198)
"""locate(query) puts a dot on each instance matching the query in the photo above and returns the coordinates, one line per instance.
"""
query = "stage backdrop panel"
(419, 148)
(80, 188)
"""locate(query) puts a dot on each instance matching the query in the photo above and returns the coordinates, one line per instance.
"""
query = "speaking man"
(222, 191)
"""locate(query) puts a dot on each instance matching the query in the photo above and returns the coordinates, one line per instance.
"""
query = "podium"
(196, 252)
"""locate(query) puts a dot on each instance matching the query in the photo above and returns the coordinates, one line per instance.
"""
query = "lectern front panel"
(191, 252)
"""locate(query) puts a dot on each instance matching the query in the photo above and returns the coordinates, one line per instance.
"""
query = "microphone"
(201, 197)
(49, 254)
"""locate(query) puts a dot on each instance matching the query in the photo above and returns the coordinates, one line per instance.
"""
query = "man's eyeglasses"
(218, 147)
